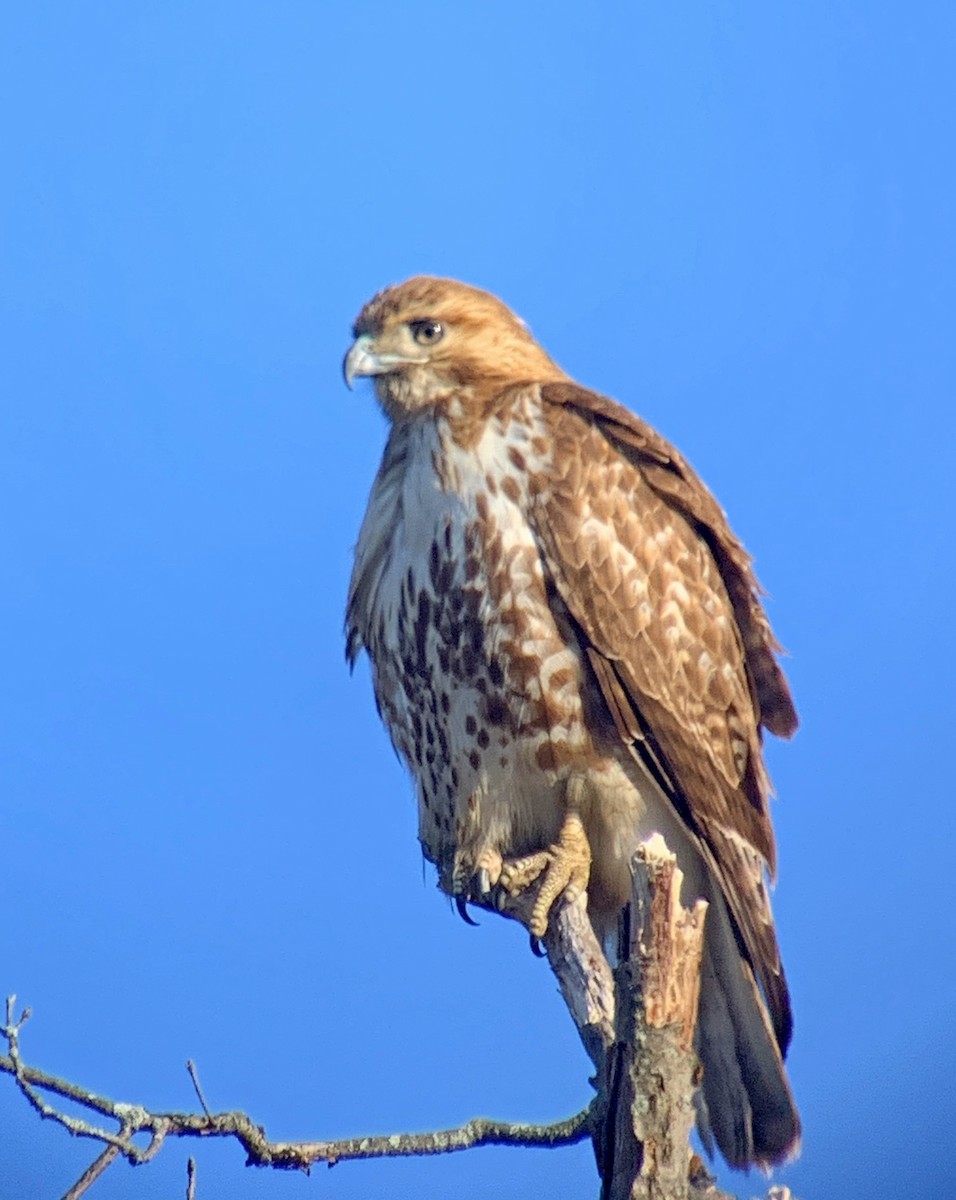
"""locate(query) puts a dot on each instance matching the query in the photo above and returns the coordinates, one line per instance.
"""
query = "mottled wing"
(669, 611)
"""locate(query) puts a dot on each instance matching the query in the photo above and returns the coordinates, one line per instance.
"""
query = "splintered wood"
(667, 942)
(645, 1151)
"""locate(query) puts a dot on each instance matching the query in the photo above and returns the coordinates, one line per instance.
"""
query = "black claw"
(462, 905)
(536, 948)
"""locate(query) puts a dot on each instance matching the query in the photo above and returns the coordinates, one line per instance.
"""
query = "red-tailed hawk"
(569, 651)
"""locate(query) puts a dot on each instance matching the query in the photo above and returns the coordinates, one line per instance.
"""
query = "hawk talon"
(536, 948)
(462, 905)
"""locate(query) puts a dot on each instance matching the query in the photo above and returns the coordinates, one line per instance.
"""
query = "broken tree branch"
(655, 1073)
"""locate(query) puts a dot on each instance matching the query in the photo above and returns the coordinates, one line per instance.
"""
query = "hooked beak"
(363, 360)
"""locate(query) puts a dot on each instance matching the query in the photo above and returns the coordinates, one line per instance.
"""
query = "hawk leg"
(563, 869)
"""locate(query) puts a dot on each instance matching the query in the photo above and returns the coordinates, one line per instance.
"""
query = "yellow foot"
(563, 869)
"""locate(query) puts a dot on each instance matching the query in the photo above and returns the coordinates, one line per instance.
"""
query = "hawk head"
(427, 339)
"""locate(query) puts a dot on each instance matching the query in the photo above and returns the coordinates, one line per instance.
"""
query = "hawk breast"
(477, 672)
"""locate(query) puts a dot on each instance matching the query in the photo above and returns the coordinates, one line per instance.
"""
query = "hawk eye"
(426, 333)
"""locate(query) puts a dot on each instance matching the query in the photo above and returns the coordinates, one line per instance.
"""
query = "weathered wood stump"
(637, 1024)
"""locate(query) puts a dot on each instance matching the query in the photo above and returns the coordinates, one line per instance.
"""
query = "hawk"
(569, 651)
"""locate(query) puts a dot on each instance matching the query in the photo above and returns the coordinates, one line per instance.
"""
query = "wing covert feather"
(675, 481)
(643, 558)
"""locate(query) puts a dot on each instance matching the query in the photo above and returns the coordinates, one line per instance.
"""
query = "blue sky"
(735, 218)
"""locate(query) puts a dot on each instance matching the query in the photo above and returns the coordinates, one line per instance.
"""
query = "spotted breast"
(476, 669)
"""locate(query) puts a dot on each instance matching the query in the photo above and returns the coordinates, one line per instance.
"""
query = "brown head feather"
(483, 345)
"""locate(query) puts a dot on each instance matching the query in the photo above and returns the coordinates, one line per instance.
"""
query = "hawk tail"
(744, 1104)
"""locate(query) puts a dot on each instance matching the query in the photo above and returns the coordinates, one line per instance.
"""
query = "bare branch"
(584, 976)
(636, 1024)
(191, 1068)
(133, 1119)
(578, 962)
(26, 1078)
(92, 1173)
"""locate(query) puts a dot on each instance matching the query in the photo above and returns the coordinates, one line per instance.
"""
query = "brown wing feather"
(676, 482)
(646, 563)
